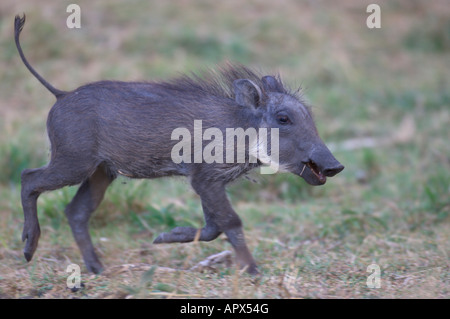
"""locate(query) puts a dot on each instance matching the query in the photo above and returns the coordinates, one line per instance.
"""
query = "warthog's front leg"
(188, 234)
(220, 217)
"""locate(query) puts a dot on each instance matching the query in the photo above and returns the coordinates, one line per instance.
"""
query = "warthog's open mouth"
(317, 173)
(314, 174)
(310, 173)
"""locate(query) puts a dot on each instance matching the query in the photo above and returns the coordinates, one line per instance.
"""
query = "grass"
(390, 206)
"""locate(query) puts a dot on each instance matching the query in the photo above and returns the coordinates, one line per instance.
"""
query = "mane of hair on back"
(217, 82)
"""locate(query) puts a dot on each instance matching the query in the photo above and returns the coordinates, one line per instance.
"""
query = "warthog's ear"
(247, 93)
(272, 84)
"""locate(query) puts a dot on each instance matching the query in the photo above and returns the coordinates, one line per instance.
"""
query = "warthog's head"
(301, 150)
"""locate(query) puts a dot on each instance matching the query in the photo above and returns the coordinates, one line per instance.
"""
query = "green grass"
(390, 206)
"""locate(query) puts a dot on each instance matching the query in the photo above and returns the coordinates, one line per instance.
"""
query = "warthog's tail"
(18, 26)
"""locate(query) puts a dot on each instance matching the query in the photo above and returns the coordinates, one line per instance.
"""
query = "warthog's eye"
(283, 119)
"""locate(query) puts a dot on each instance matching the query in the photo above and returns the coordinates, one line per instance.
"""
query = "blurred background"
(380, 97)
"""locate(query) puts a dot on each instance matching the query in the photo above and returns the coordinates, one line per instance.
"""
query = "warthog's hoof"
(31, 236)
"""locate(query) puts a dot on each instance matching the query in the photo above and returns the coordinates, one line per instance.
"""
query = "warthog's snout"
(331, 171)
(320, 165)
